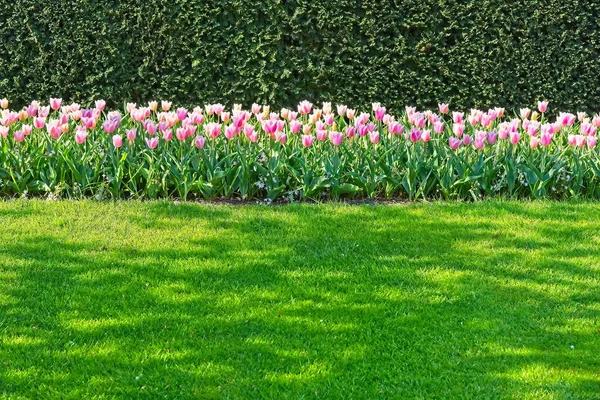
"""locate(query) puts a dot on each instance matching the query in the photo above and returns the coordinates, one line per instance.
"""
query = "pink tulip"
(213, 129)
(166, 106)
(199, 141)
(295, 126)
(542, 106)
(546, 139)
(350, 113)
(131, 134)
(4, 103)
(168, 134)
(379, 113)
(280, 125)
(55, 104)
(218, 108)
(433, 118)
(524, 112)
(80, 134)
(190, 130)
(26, 129)
(587, 129)
(454, 143)
(304, 108)
(230, 131)
(117, 141)
(328, 119)
(281, 138)
(53, 128)
(350, 131)
(3, 131)
(307, 140)
(566, 119)
(181, 134)
(444, 108)
(336, 138)
(321, 134)
(252, 136)
(579, 140)
(43, 112)
(475, 117)
(534, 142)
(162, 125)
(467, 140)
(458, 129)
(457, 117)
(64, 119)
(341, 110)
(438, 127)
(19, 136)
(30, 111)
(596, 121)
(255, 108)
(89, 123)
(581, 116)
(479, 143)
(210, 110)
(39, 122)
(415, 135)
(112, 123)
(591, 141)
(374, 137)
(152, 142)
(533, 128)
(137, 115)
(571, 140)
(269, 126)
(426, 136)
(130, 107)
(248, 129)
(100, 104)
(361, 129)
(487, 119)
(182, 113)
(150, 127)
(196, 118)
(492, 137)
(395, 128)
(515, 137)
(153, 105)
(225, 116)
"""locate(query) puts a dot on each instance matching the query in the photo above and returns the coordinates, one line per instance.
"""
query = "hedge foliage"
(469, 53)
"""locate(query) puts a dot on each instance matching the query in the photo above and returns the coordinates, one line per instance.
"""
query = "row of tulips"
(156, 150)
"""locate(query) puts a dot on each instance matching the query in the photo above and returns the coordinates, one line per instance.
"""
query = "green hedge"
(469, 53)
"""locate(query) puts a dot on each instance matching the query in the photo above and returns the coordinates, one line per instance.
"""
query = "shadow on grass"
(451, 300)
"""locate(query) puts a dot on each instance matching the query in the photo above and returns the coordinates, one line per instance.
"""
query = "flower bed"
(308, 153)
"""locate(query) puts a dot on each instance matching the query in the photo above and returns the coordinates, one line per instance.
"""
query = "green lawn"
(132, 299)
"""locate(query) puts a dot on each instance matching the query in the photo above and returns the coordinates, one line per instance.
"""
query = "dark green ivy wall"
(468, 53)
